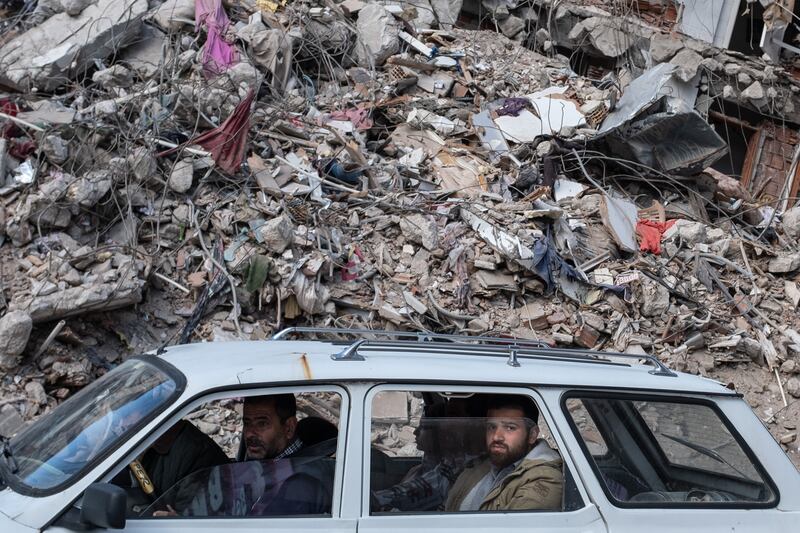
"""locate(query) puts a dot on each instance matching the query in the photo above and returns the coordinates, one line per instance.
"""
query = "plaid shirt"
(426, 491)
(290, 450)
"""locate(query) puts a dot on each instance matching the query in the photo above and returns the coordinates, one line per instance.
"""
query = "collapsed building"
(612, 175)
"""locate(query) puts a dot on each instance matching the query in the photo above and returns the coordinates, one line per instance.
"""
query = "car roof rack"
(513, 348)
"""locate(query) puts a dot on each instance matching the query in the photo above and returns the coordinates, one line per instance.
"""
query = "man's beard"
(504, 455)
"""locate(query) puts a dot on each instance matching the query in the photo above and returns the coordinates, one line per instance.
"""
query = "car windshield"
(60, 444)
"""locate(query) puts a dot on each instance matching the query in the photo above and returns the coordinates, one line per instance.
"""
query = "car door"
(334, 522)
(679, 463)
(576, 512)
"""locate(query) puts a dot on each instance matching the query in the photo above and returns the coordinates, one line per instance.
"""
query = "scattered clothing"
(218, 54)
(650, 233)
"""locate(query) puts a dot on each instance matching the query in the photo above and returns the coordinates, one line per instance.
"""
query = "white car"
(391, 423)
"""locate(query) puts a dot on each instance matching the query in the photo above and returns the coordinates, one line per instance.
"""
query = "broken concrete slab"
(604, 37)
(146, 55)
(277, 234)
(754, 92)
(689, 232)
(688, 63)
(378, 36)
(783, 264)
(447, 11)
(173, 15)
(421, 230)
(15, 329)
(790, 222)
(663, 47)
(62, 47)
(91, 297)
(655, 298)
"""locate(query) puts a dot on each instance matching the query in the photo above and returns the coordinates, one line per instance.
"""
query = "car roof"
(221, 364)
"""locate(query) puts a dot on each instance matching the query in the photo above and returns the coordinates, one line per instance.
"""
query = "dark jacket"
(179, 452)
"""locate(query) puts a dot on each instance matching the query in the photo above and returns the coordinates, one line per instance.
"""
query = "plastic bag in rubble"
(311, 296)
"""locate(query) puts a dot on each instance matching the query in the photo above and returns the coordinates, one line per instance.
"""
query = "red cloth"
(650, 233)
(227, 142)
(19, 145)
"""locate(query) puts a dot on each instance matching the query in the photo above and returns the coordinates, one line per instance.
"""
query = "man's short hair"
(285, 404)
(509, 401)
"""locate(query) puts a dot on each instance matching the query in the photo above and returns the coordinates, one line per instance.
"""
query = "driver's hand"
(169, 512)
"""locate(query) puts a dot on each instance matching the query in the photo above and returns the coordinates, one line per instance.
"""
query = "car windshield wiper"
(8, 454)
(708, 452)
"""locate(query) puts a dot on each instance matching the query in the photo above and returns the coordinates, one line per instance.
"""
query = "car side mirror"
(104, 505)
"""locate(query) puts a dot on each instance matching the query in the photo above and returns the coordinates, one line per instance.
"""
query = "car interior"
(636, 468)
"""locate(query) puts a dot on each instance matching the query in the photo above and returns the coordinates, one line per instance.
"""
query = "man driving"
(521, 471)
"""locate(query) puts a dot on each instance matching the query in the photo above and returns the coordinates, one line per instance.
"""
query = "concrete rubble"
(545, 170)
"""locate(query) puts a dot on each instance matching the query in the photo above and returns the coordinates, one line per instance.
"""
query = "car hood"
(10, 500)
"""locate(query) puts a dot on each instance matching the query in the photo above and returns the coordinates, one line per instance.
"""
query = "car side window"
(247, 456)
(434, 452)
(667, 452)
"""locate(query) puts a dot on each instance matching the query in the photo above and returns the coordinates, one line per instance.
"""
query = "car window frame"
(633, 396)
(250, 389)
(484, 389)
(20, 487)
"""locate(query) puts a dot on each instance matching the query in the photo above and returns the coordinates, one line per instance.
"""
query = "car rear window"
(667, 452)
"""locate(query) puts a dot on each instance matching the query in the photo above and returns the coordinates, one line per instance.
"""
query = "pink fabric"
(359, 118)
(218, 54)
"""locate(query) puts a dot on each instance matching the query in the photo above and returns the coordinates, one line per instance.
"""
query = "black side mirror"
(103, 505)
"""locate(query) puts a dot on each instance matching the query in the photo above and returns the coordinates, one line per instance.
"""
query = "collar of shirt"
(295, 446)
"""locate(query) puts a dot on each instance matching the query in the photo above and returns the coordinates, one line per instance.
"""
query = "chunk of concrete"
(63, 47)
(10, 421)
(688, 231)
(15, 329)
(784, 264)
(754, 91)
(663, 47)
(655, 299)
(277, 234)
(87, 190)
(688, 62)
(73, 8)
(114, 76)
(420, 229)
(511, 26)
(145, 57)
(378, 35)
(142, 163)
(173, 15)
(791, 223)
(447, 12)
(87, 298)
(180, 180)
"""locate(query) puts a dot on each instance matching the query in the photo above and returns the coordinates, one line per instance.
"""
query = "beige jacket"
(536, 484)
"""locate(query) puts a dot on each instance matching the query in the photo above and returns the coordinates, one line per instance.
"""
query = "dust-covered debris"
(564, 173)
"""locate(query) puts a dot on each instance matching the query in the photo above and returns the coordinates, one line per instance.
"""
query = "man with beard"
(521, 471)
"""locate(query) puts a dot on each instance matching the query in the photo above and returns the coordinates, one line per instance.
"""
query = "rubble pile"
(562, 171)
